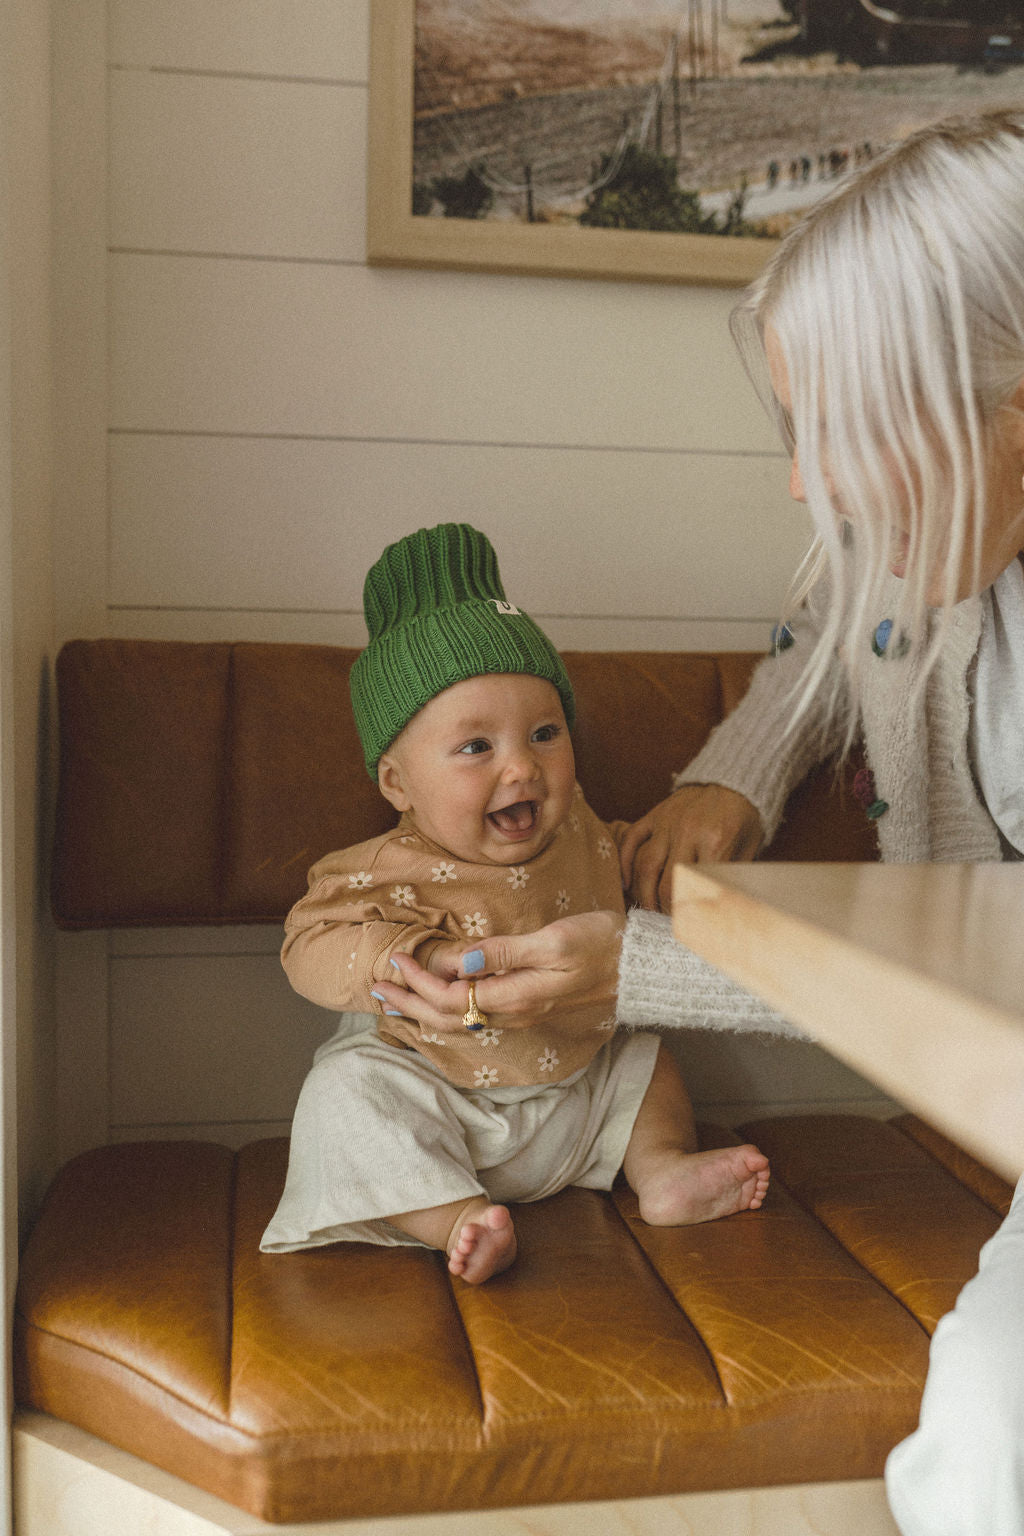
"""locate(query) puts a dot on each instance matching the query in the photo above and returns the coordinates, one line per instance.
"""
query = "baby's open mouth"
(516, 820)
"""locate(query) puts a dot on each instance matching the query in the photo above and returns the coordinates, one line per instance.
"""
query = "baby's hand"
(445, 959)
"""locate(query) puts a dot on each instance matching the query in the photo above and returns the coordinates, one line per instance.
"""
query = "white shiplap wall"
(276, 411)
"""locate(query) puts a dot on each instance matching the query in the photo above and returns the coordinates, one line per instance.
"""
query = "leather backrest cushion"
(198, 782)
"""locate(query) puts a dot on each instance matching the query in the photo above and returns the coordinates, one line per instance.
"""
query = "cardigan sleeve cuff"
(663, 984)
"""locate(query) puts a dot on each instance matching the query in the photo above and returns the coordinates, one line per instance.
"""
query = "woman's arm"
(729, 800)
(519, 977)
(585, 959)
(665, 985)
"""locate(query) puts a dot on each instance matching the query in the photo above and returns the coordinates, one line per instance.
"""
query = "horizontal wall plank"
(215, 1040)
(227, 166)
(721, 1066)
(241, 1133)
(621, 535)
(230, 1133)
(316, 39)
(269, 347)
(208, 1039)
(247, 939)
(576, 634)
(735, 1113)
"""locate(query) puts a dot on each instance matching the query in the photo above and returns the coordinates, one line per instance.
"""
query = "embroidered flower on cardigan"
(485, 1077)
(562, 901)
(549, 1061)
(604, 847)
(442, 873)
(434, 1039)
(518, 876)
(403, 895)
(361, 881)
(489, 1036)
(474, 924)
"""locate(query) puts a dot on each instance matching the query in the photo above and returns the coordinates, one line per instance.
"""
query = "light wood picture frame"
(766, 104)
(397, 237)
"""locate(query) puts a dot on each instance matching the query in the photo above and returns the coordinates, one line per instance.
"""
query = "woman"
(887, 337)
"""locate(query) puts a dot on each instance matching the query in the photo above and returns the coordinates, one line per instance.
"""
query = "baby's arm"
(339, 939)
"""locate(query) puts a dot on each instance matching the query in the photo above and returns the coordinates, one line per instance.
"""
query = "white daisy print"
(574, 822)
(406, 839)
(361, 881)
(549, 1061)
(485, 1077)
(474, 924)
(352, 960)
(604, 847)
(489, 1036)
(434, 1039)
(442, 873)
(562, 901)
(518, 876)
(403, 895)
(607, 1023)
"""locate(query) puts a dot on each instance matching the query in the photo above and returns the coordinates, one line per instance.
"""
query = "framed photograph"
(668, 140)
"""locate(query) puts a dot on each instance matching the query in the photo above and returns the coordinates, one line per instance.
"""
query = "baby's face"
(486, 768)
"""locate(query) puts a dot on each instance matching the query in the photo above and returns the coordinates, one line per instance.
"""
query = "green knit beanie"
(437, 613)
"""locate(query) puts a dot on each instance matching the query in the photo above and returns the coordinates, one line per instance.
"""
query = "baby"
(401, 1135)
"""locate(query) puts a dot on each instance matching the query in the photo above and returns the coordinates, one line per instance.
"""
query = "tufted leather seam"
(663, 1283)
(988, 1205)
(478, 1385)
(133, 1370)
(353, 1437)
(825, 1227)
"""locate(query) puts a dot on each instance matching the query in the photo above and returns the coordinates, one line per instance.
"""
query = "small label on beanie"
(503, 607)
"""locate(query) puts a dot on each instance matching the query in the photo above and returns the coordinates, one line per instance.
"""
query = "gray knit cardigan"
(916, 744)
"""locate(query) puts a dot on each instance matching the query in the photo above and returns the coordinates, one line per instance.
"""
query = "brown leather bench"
(614, 1360)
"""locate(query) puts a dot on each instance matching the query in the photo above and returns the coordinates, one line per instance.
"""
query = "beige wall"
(274, 411)
(28, 631)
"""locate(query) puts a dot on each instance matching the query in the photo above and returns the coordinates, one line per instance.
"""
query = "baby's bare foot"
(682, 1188)
(484, 1246)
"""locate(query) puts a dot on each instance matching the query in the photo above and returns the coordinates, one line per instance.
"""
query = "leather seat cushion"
(614, 1360)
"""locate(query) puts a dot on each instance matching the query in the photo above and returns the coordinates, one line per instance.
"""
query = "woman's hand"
(699, 824)
(518, 977)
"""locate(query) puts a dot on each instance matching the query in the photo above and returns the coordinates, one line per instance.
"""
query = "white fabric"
(997, 718)
(961, 1473)
(664, 985)
(379, 1130)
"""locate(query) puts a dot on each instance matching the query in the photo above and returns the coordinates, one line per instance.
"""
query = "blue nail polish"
(379, 996)
(473, 962)
(397, 967)
(392, 1013)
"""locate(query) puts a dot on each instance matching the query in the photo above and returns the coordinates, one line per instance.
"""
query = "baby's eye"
(546, 733)
(471, 748)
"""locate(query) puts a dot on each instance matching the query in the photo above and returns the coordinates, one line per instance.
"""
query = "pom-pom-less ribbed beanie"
(437, 613)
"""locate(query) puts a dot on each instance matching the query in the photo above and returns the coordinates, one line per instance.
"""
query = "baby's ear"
(389, 780)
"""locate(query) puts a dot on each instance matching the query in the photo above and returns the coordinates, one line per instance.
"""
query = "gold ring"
(473, 1018)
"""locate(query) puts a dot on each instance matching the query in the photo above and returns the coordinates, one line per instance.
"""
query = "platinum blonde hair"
(898, 304)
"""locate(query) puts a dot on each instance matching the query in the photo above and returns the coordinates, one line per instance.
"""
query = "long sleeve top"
(403, 892)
